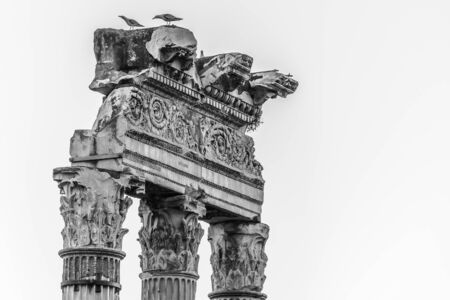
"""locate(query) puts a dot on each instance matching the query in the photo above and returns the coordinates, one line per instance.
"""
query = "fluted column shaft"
(93, 206)
(169, 239)
(238, 260)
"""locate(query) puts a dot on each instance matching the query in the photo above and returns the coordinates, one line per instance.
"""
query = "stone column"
(169, 237)
(93, 206)
(238, 260)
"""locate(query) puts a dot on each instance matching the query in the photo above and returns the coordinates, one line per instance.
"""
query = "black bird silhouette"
(168, 18)
(130, 22)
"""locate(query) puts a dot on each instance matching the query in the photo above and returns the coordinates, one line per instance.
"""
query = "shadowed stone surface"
(171, 131)
(238, 258)
(94, 207)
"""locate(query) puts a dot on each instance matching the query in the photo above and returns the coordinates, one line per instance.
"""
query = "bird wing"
(170, 17)
(134, 23)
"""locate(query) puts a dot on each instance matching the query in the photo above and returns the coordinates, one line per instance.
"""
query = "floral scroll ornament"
(218, 139)
(159, 114)
(179, 128)
(135, 109)
(127, 101)
(226, 145)
(183, 131)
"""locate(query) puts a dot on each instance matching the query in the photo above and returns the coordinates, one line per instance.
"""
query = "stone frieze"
(179, 124)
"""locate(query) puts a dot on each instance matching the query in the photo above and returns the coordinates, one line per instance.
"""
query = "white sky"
(356, 162)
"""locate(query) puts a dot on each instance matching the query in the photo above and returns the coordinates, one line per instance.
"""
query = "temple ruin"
(171, 133)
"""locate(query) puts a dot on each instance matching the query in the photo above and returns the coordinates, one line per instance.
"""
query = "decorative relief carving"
(128, 101)
(270, 84)
(226, 145)
(134, 112)
(238, 258)
(159, 116)
(213, 101)
(224, 71)
(169, 239)
(153, 114)
(167, 55)
(184, 131)
(94, 208)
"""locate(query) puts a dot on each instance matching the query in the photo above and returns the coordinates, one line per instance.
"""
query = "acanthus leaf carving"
(238, 258)
(93, 206)
(169, 239)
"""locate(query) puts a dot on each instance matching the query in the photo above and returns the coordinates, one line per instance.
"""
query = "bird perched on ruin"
(130, 22)
(168, 18)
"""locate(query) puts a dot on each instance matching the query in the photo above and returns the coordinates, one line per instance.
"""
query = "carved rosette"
(238, 259)
(94, 207)
(169, 239)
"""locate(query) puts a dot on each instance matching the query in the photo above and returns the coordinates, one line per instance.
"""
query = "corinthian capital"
(170, 235)
(93, 206)
(238, 258)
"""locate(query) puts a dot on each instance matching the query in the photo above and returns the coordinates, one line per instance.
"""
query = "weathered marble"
(270, 84)
(93, 207)
(171, 131)
(174, 46)
(225, 71)
(167, 141)
(238, 259)
(170, 237)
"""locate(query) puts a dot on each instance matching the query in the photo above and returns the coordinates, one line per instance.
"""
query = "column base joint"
(237, 295)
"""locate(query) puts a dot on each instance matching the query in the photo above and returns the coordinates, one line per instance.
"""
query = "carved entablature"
(170, 234)
(179, 124)
(238, 258)
(228, 146)
(165, 58)
(93, 206)
(176, 120)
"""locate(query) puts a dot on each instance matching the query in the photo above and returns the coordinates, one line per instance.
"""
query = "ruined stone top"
(221, 84)
(178, 122)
